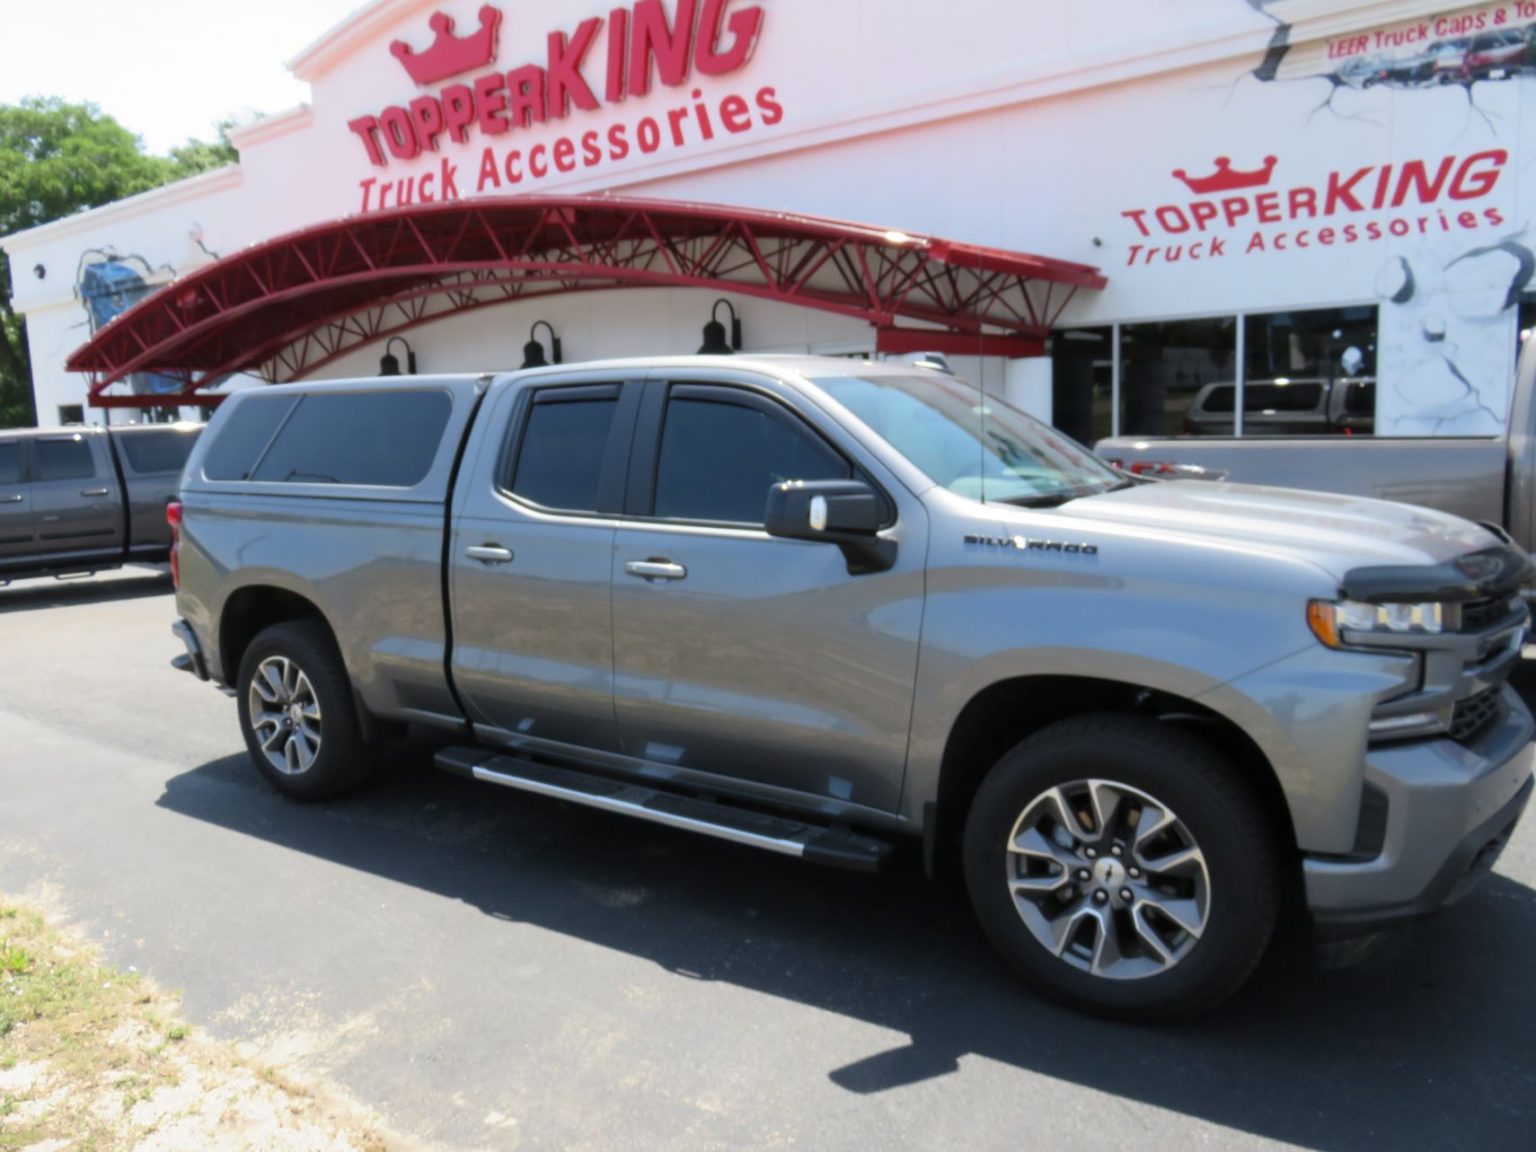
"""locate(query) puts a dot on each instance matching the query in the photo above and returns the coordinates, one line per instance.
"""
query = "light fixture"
(390, 364)
(714, 332)
(533, 351)
(39, 271)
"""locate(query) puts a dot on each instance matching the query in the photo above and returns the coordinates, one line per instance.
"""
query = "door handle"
(11, 499)
(93, 492)
(489, 553)
(656, 570)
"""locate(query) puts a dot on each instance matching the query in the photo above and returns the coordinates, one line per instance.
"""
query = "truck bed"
(1463, 476)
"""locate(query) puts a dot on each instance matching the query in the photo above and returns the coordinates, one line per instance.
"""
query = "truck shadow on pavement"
(35, 594)
(1428, 1044)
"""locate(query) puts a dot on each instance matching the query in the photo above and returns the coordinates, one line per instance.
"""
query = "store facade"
(1307, 215)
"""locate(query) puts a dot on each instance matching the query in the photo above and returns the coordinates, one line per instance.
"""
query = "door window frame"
(616, 453)
(645, 453)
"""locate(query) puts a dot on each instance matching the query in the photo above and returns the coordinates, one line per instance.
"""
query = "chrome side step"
(837, 847)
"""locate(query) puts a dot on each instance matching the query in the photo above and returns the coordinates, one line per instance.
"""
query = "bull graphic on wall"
(107, 285)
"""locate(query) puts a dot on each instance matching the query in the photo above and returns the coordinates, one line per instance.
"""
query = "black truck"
(75, 500)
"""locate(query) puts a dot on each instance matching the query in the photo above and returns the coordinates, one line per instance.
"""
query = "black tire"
(1214, 804)
(342, 761)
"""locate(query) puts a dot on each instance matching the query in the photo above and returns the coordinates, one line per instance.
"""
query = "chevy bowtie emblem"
(1025, 544)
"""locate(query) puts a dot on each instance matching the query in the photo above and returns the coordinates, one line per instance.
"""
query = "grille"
(1474, 714)
(1479, 614)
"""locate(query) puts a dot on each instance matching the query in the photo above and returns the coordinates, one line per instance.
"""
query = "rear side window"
(1282, 397)
(64, 459)
(560, 463)
(10, 462)
(718, 461)
(149, 452)
(380, 439)
(242, 437)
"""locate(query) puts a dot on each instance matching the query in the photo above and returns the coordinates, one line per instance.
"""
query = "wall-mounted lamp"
(390, 364)
(39, 271)
(714, 332)
(533, 351)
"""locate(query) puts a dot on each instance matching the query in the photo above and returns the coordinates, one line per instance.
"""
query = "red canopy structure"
(286, 308)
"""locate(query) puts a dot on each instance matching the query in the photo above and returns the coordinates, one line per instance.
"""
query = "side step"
(837, 847)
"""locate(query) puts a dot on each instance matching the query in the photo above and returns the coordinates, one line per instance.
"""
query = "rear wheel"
(298, 715)
(1124, 866)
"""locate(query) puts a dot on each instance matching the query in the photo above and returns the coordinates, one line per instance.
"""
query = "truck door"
(16, 536)
(741, 655)
(531, 553)
(75, 503)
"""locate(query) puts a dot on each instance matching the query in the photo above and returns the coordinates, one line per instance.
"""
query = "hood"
(1340, 534)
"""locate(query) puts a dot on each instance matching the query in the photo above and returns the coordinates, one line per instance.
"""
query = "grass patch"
(98, 1059)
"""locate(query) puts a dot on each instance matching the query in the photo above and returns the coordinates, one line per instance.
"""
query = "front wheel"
(298, 715)
(1124, 866)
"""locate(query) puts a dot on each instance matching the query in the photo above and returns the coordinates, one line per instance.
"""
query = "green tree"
(57, 159)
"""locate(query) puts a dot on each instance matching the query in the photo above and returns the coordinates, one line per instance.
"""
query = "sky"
(166, 70)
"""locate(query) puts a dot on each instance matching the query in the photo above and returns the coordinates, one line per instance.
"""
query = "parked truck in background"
(87, 499)
(1487, 479)
(813, 606)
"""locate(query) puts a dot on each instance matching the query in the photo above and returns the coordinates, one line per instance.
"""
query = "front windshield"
(994, 453)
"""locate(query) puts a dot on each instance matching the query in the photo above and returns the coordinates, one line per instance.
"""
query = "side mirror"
(842, 512)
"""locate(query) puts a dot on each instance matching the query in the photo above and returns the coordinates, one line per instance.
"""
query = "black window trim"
(610, 484)
(645, 455)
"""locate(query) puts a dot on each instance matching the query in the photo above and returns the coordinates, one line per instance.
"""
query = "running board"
(837, 847)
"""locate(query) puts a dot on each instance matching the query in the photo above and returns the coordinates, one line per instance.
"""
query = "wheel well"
(1000, 716)
(252, 609)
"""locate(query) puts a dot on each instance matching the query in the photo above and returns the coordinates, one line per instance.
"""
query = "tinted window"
(10, 462)
(384, 439)
(1282, 397)
(157, 451)
(64, 460)
(244, 434)
(1360, 399)
(561, 459)
(718, 461)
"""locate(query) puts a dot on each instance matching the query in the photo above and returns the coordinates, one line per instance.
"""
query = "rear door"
(745, 656)
(152, 460)
(530, 559)
(75, 505)
(16, 535)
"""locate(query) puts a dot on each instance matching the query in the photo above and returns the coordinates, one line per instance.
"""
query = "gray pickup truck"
(1487, 479)
(814, 605)
(87, 499)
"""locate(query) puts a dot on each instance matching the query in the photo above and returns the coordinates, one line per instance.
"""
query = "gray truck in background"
(1489, 480)
(815, 606)
(87, 499)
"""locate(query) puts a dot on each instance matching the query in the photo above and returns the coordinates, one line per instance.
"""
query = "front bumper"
(1450, 812)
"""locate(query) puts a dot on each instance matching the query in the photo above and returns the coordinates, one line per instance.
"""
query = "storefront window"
(1170, 371)
(1082, 383)
(1310, 373)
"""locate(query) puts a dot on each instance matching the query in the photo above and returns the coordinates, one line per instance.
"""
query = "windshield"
(996, 453)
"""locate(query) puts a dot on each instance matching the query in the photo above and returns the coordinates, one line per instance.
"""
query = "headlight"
(1329, 620)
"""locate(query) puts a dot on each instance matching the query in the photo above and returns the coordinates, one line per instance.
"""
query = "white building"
(1273, 192)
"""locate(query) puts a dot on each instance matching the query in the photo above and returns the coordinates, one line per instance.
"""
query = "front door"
(74, 499)
(532, 548)
(741, 655)
(16, 538)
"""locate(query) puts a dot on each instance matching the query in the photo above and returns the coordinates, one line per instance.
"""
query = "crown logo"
(450, 54)
(1226, 178)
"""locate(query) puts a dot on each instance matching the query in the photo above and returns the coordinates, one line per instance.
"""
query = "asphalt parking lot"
(489, 969)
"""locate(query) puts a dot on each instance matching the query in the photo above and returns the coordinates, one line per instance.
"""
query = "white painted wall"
(1022, 124)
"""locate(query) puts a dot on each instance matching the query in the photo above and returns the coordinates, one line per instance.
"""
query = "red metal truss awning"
(286, 308)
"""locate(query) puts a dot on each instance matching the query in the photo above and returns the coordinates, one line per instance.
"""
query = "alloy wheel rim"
(285, 715)
(1108, 879)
